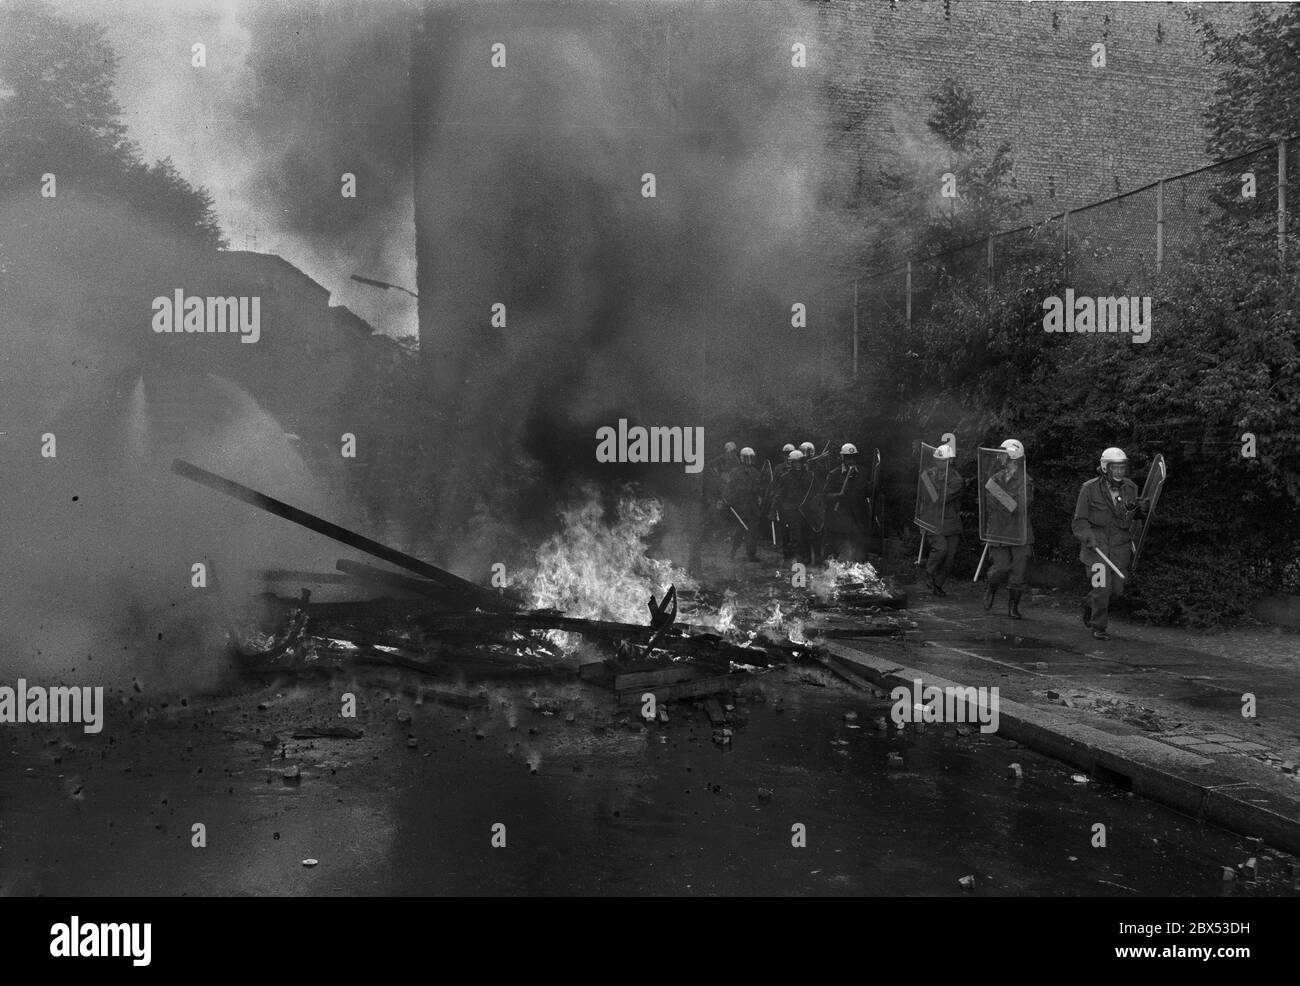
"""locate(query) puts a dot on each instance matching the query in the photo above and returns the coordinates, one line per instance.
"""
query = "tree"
(962, 193)
(1257, 98)
(58, 115)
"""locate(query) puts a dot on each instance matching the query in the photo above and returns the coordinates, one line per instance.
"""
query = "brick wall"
(1078, 133)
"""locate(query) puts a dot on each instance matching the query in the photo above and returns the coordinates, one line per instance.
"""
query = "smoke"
(99, 540)
(531, 189)
(673, 310)
(294, 94)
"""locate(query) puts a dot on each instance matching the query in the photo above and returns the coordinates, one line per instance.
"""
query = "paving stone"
(1245, 746)
(1221, 738)
(1182, 740)
(1210, 748)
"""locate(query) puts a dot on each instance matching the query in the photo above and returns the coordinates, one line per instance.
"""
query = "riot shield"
(1155, 482)
(1003, 497)
(931, 490)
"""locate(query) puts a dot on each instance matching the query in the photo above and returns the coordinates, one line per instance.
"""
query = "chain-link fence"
(1120, 244)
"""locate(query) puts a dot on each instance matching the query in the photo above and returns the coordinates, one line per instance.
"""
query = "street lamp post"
(383, 284)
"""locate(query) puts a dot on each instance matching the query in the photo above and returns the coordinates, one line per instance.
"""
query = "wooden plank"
(392, 580)
(652, 679)
(716, 713)
(293, 575)
(485, 598)
(684, 689)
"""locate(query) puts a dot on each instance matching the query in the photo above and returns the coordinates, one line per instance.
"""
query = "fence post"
(855, 328)
(909, 295)
(1281, 201)
(1160, 224)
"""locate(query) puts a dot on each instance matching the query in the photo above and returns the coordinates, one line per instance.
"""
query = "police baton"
(1109, 562)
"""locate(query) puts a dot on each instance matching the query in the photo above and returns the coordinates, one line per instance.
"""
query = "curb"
(1186, 782)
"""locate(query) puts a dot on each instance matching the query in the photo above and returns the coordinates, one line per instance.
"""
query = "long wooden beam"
(485, 598)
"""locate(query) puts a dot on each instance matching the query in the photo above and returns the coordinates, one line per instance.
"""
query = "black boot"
(1013, 603)
(990, 593)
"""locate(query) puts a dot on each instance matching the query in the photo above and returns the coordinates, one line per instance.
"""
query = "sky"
(294, 94)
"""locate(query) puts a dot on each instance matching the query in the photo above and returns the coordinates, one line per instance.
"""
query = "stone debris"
(1015, 772)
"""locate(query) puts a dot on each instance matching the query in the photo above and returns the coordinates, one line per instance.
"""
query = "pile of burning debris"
(431, 620)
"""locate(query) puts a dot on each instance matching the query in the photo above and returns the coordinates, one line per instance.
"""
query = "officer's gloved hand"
(1090, 541)
(1144, 505)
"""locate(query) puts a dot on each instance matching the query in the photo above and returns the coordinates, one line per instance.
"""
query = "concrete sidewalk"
(1154, 709)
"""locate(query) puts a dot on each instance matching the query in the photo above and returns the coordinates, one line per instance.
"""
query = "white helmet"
(1112, 454)
(848, 448)
(807, 448)
(1013, 449)
(943, 452)
(747, 453)
(787, 448)
(795, 455)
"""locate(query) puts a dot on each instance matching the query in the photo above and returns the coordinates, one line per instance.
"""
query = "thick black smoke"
(673, 310)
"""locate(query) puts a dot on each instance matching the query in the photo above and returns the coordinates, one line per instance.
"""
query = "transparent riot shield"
(931, 490)
(1155, 482)
(1003, 497)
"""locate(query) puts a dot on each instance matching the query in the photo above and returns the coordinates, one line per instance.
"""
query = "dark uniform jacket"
(742, 490)
(796, 492)
(1115, 526)
(951, 520)
(851, 514)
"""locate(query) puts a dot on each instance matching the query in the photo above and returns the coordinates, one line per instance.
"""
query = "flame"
(775, 618)
(597, 569)
(858, 576)
(726, 618)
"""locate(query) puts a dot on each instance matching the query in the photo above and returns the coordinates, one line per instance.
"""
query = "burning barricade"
(593, 603)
